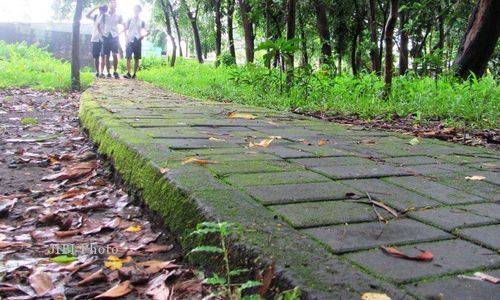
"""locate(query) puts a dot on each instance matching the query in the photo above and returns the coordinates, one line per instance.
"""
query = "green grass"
(472, 104)
(29, 66)
(29, 121)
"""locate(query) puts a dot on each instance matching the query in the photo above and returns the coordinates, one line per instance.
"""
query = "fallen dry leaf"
(164, 170)
(199, 162)
(73, 171)
(267, 278)
(115, 263)
(322, 142)
(155, 248)
(155, 266)
(7, 244)
(41, 283)
(136, 228)
(96, 276)
(368, 141)
(262, 144)
(375, 296)
(161, 292)
(117, 291)
(475, 178)
(216, 139)
(423, 256)
(236, 115)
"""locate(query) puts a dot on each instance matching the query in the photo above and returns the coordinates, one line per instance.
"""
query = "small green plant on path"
(29, 121)
(224, 284)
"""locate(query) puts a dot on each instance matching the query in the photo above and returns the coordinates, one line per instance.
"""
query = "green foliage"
(226, 59)
(29, 121)
(30, 66)
(473, 103)
(146, 63)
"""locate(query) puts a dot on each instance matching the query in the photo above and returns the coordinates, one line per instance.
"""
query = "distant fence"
(55, 37)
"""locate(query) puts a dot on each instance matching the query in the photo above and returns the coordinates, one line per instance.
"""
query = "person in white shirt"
(136, 32)
(108, 26)
(96, 38)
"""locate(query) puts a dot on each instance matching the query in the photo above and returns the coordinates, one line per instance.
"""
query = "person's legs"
(96, 54)
(106, 52)
(137, 55)
(115, 45)
(128, 56)
(136, 66)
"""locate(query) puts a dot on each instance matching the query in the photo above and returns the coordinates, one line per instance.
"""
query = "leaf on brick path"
(136, 228)
(164, 170)
(94, 277)
(475, 178)
(216, 139)
(200, 162)
(161, 292)
(115, 263)
(267, 278)
(487, 277)
(423, 256)
(368, 141)
(262, 144)
(41, 282)
(155, 248)
(155, 266)
(73, 171)
(322, 142)
(119, 290)
(13, 245)
(275, 137)
(387, 208)
(68, 233)
(245, 116)
(74, 192)
(414, 142)
(375, 296)
(64, 259)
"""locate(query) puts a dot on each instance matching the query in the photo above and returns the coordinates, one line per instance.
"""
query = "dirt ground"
(67, 230)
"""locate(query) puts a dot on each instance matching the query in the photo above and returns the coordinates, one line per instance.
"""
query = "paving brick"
(449, 218)
(491, 210)
(456, 288)
(394, 196)
(360, 171)
(353, 237)
(488, 191)
(277, 178)
(291, 193)
(452, 256)
(252, 166)
(436, 169)
(488, 236)
(321, 151)
(411, 160)
(333, 161)
(180, 144)
(326, 213)
(434, 190)
(285, 152)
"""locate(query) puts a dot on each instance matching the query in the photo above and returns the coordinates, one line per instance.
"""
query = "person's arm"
(90, 16)
(145, 30)
(100, 25)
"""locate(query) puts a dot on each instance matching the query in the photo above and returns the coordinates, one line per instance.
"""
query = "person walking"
(96, 38)
(136, 32)
(108, 26)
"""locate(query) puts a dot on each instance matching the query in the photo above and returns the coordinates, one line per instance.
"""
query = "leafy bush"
(30, 66)
(226, 59)
(146, 63)
(473, 104)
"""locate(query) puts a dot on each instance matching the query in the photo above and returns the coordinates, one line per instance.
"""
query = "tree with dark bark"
(218, 31)
(290, 35)
(324, 31)
(389, 44)
(230, 34)
(176, 25)
(479, 40)
(247, 23)
(372, 26)
(166, 14)
(193, 20)
(75, 46)
(403, 44)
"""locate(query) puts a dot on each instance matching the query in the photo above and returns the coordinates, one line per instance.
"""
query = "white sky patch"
(38, 11)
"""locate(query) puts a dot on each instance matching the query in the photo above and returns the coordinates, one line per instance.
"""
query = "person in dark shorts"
(136, 32)
(96, 38)
(108, 26)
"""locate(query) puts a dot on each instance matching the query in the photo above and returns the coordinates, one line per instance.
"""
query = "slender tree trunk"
(324, 31)
(290, 34)
(389, 45)
(372, 25)
(230, 35)
(196, 35)
(304, 58)
(248, 30)
(357, 32)
(479, 40)
(176, 25)
(218, 32)
(75, 47)
(403, 51)
(166, 14)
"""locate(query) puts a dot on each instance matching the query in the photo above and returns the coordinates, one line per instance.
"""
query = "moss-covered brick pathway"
(305, 199)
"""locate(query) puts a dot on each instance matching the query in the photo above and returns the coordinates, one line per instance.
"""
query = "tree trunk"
(357, 32)
(479, 40)
(218, 32)
(75, 47)
(290, 34)
(230, 35)
(389, 45)
(372, 26)
(403, 51)
(176, 24)
(248, 30)
(166, 14)
(324, 31)
(304, 58)
(196, 35)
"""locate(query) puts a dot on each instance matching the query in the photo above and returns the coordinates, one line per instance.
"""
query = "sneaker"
(116, 75)
(97, 75)
(134, 76)
(102, 76)
(109, 76)
(127, 76)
